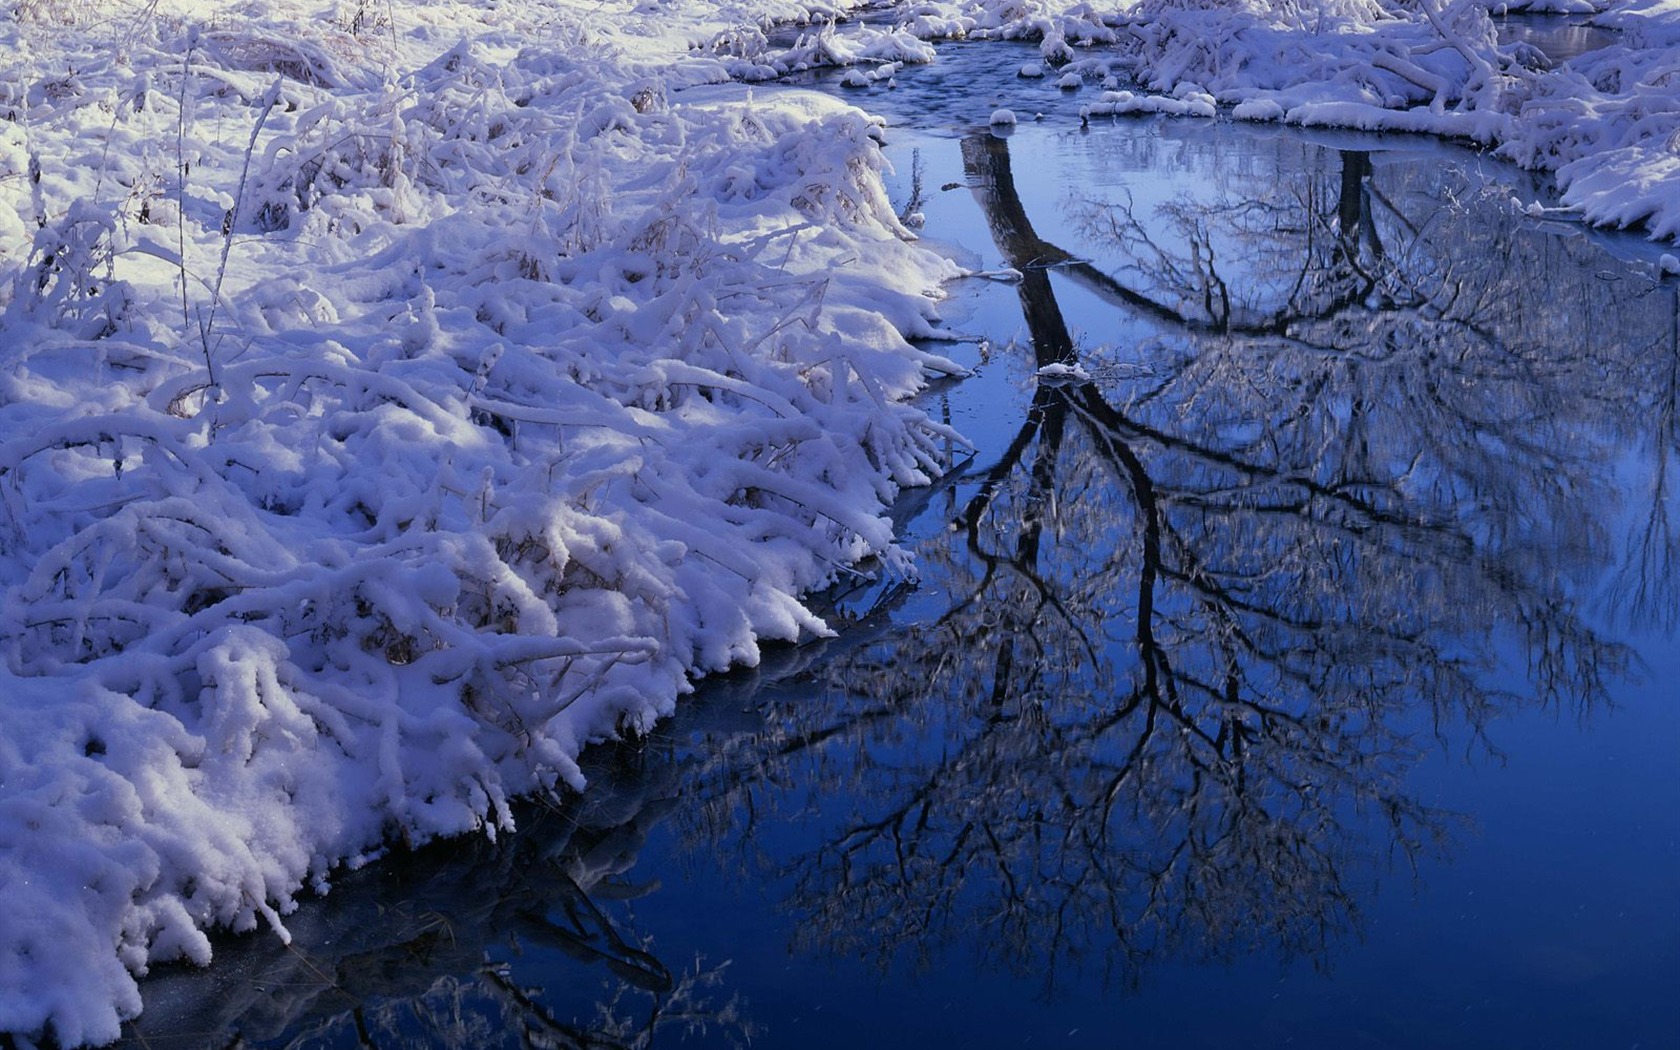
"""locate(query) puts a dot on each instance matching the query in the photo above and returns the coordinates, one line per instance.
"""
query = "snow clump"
(383, 419)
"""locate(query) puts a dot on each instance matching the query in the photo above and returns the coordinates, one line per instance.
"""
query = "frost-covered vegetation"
(380, 424)
(395, 399)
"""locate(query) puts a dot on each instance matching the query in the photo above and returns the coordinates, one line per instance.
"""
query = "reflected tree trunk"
(1194, 620)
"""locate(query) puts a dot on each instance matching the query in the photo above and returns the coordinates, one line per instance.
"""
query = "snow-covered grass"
(387, 411)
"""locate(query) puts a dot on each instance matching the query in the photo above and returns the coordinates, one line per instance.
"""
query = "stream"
(1292, 660)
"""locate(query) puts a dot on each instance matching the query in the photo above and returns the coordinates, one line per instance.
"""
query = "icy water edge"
(1293, 660)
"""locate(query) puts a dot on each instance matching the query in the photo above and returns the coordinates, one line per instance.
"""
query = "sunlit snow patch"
(1062, 375)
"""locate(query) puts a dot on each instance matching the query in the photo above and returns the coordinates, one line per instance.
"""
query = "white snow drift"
(378, 425)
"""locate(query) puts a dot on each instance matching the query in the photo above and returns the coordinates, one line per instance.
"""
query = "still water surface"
(1293, 660)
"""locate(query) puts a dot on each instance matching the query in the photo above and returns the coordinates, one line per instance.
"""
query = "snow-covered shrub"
(375, 442)
(69, 279)
(297, 59)
(54, 12)
(749, 55)
(328, 152)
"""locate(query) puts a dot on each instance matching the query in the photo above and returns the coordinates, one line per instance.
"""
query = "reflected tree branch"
(1199, 621)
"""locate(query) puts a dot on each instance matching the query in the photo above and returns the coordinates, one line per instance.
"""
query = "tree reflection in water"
(1646, 589)
(1197, 616)
(1343, 488)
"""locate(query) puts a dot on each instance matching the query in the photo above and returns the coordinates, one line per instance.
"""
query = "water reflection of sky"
(1551, 918)
(1502, 471)
(1559, 37)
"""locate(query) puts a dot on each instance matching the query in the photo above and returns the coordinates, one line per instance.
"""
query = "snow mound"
(750, 55)
(372, 439)
(1062, 375)
(1114, 103)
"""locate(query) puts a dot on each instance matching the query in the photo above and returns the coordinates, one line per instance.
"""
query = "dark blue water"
(1294, 664)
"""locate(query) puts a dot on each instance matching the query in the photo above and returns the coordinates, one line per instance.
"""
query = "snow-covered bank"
(1607, 123)
(386, 412)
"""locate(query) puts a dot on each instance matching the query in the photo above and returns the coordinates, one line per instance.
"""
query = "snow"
(1114, 103)
(397, 401)
(507, 393)
(1606, 123)
(1062, 375)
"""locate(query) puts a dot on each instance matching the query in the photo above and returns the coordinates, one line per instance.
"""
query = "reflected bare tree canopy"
(1351, 470)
